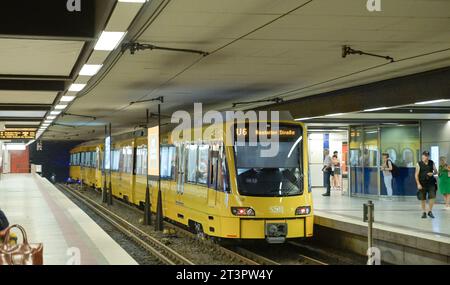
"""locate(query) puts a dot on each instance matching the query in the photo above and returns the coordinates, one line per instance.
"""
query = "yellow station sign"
(11, 135)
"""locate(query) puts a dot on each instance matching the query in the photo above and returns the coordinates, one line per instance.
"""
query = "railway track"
(156, 248)
(239, 253)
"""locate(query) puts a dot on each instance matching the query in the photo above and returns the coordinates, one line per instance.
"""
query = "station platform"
(399, 231)
(51, 218)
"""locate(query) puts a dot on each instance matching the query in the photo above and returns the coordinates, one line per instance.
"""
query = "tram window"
(213, 166)
(115, 160)
(127, 160)
(139, 161)
(144, 161)
(202, 170)
(167, 162)
(222, 172)
(94, 159)
(192, 163)
(88, 159)
(164, 162)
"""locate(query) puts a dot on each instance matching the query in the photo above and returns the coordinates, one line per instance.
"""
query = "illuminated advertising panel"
(108, 153)
(153, 151)
(5, 135)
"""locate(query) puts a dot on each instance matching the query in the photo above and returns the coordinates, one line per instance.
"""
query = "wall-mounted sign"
(39, 146)
(12, 135)
(153, 151)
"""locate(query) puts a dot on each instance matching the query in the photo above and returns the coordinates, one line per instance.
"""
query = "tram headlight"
(303, 210)
(242, 211)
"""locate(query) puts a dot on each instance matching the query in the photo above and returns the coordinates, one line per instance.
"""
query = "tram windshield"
(271, 176)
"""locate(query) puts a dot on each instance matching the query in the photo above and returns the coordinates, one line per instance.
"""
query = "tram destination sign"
(56, 18)
(17, 135)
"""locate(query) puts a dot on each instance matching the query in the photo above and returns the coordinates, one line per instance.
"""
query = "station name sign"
(56, 18)
(15, 135)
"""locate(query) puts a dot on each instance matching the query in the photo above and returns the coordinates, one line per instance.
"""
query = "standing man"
(327, 171)
(426, 183)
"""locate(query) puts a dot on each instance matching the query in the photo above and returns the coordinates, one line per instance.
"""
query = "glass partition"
(356, 160)
(371, 161)
(402, 143)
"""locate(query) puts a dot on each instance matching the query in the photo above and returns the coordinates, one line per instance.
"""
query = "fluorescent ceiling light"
(375, 109)
(90, 69)
(60, 107)
(432, 102)
(55, 113)
(67, 98)
(48, 121)
(75, 87)
(108, 41)
(303, 119)
(333, 115)
(51, 117)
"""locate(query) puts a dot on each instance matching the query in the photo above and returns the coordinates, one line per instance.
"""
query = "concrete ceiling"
(258, 49)
(42, 47)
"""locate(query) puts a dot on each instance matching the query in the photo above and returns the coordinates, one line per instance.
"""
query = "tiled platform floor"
(51, 218)
(395, 216)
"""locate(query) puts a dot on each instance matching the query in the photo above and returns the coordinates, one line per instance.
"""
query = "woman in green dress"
(444, 180)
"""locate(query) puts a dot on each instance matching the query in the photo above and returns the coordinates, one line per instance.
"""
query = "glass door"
(371, 161)
(356, 160)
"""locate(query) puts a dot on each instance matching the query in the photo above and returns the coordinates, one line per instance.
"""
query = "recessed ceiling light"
(108, 41)
(90, 69)
(375, 109)
(48, 121)
(55, 113)
(67, 98)
(51, 117)
(60, 107)
(75, 87)
(431, 102)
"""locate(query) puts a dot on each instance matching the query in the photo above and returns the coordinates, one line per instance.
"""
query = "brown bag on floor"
(20, 254)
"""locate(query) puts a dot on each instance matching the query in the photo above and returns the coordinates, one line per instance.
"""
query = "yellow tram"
(220, 189)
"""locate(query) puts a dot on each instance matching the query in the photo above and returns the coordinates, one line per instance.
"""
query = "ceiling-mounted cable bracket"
(160, 99)
(77, 115)
(273, 100)
(63, 125)
(347, 50)
(133, 47)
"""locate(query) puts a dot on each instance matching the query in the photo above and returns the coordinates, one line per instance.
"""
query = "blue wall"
(54, 158)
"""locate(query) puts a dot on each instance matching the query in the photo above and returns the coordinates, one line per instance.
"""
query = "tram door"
(213, 171)
(181, 154)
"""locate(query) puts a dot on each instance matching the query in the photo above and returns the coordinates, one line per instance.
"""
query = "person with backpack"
(4, 224)
(387, 168)
(426, 183)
